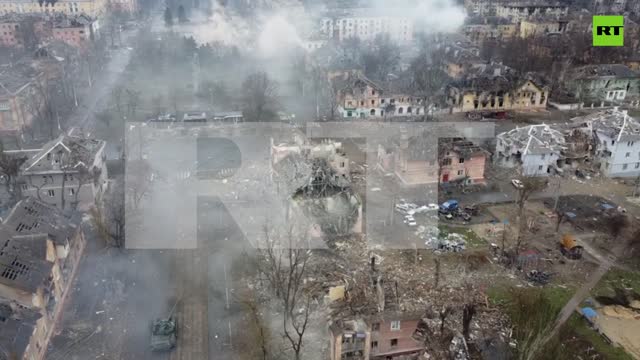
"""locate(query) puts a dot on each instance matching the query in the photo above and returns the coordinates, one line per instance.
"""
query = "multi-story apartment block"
(519, 12)
(67, 172)
(616, 137)
(367, 27)
(40, 248)
(74, 30)
(533, 27)
(478, 33)
(90, 7)
(607, 82)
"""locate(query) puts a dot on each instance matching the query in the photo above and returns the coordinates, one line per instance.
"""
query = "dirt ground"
(625, 332)
(540, 238)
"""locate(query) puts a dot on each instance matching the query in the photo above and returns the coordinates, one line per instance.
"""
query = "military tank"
(164, 332)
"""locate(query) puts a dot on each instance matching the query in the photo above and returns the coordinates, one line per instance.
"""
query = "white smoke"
(277, 35)
(429, 16)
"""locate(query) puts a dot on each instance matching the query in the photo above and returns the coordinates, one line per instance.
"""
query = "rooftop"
(533, 139)
(595, 71)
(17, 326)
(79, 150)
(614, 123)
(15, 78)
(32, 217)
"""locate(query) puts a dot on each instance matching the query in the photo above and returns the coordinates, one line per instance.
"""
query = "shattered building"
(616, 138)
(315, 180)
(428, 159)
(496, 87)
(73, 29)
(614, 83)
(360, 97)
(492, 28)
(519, 12)
(67, 172)
(40, 248)
(536, 148)
(382, 329)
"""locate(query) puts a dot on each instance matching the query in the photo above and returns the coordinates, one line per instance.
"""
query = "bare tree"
(443, 314)
(133, 97)
(285, 263)
(138, 180)
(467, 315)
(10, 169)
(117, 95)
(109, 219)
(529, 186)
(27, 32)
(41, 104)
(381, 59)
(437, 272)
(260, 97)
(616, 224)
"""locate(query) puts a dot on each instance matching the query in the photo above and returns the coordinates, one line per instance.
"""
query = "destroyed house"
(432, 159)
(495, 87)
(40, 249)
(535, 148)
(17, 86)
(616, 137)
(614, 83)
(386, 326)
(359, 97)
(67, 172)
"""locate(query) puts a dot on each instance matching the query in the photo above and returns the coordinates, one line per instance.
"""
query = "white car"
(517, 184)
(411, 222)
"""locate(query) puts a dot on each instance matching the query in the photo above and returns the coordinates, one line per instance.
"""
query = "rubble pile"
(539, 277)
(453, 242)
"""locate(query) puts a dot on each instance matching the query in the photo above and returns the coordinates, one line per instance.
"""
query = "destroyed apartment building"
(40, 248)
(430, 159)
(314, 180)
(385, 315)
(616, 141)
(496, 87)
(535, 148)
(68, 172)
(382, 328)
(598, 85)
(360, 97)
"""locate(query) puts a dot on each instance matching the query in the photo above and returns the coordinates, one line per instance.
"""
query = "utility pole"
(636, 187)
(557, 192)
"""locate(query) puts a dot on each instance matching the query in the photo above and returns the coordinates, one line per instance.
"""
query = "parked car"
(194, 116)
(449, 206)
(517, 184)
(166, 118)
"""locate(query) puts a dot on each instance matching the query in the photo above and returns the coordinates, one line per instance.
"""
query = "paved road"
(96, 97)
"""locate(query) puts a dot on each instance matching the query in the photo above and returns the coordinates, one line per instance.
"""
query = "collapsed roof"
(533, 139)
(603, 70)
(18, 324)
(612, 123)
(80, 150)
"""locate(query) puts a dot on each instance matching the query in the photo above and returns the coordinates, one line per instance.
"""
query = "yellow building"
(535, 28)
(90, 7)
(478, 33)
(497, 93)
